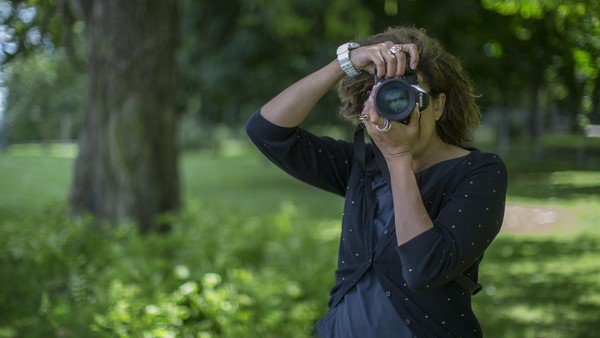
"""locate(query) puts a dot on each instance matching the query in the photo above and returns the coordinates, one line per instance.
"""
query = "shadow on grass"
(540, 287)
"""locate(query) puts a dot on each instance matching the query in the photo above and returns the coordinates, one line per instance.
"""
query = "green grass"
(251, 185)
(541, 286)
(30, 183)
(253, 253)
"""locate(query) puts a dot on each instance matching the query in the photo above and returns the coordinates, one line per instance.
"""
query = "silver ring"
(396, 48)
(385, 128)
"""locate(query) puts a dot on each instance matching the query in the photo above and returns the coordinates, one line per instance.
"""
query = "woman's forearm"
(290, 107)
(411, 218)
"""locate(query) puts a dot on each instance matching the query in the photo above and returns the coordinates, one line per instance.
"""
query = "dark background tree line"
(235, 54)
(121, 76)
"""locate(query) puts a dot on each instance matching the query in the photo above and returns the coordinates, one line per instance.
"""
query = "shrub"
(214, 276)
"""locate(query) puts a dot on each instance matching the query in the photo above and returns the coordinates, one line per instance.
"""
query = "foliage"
(564, 38)
(539, 56)
(30, 26)
(45, 98)
(236, 54)
(213, 276)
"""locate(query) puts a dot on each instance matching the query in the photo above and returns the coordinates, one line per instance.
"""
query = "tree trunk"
(595, 114)
(127, 162)
(534, 121)
(503, 129)
(575, 96)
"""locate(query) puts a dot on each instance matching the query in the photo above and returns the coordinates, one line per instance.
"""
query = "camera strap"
(359, 157)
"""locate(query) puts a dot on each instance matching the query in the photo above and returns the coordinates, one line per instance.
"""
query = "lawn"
(253, 251)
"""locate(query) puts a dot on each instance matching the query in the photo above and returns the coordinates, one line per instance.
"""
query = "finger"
(370, 128)
(391, 63)
(400, 64)
(372, 116)
(397, 61)
(412, 50)
(371, 109)
(379, 61)
(370, 69)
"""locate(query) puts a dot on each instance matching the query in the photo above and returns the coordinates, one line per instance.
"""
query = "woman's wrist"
(399, 160)
(337, 70)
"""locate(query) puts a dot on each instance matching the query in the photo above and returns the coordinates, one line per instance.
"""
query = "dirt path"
(519, 218)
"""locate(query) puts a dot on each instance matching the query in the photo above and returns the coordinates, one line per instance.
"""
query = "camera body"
(396, 97)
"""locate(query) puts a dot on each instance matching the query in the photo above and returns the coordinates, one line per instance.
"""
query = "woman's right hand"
(388, 64)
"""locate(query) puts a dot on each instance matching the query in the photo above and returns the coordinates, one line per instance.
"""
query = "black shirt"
(466, 207)
(365, 311)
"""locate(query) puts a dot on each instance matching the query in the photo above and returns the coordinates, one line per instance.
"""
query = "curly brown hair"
(440, 70)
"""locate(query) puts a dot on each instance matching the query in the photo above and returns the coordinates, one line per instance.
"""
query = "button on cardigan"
(466, 208)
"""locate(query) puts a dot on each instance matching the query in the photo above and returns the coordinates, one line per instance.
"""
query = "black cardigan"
(466, 207)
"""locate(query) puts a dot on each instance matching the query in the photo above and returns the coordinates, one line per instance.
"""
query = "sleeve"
(319, 161)
(465, 226)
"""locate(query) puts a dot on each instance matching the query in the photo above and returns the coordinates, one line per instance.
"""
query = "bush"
(213, 276)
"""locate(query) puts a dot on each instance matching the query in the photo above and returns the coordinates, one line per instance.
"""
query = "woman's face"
(429, 116)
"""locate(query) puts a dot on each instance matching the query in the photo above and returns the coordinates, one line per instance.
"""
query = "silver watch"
(343, 57)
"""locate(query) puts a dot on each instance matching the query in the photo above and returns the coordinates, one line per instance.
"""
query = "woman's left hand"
(400, 139)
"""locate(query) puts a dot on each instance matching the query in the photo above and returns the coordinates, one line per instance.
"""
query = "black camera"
(396, 97)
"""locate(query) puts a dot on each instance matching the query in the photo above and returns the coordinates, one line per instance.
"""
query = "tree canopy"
(537, 56)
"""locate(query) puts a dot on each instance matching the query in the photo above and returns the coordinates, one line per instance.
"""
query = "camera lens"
(395, 99)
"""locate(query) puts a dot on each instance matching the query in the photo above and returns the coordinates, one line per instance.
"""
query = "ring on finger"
(386, 126)
(363, 116)
(396, 48)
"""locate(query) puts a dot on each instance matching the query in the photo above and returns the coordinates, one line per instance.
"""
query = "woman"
(408, 244)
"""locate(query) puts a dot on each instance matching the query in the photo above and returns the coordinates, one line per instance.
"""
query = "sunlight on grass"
(59, 150)
(576, 178)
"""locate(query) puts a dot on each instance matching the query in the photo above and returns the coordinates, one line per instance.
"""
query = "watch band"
(343, 57)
